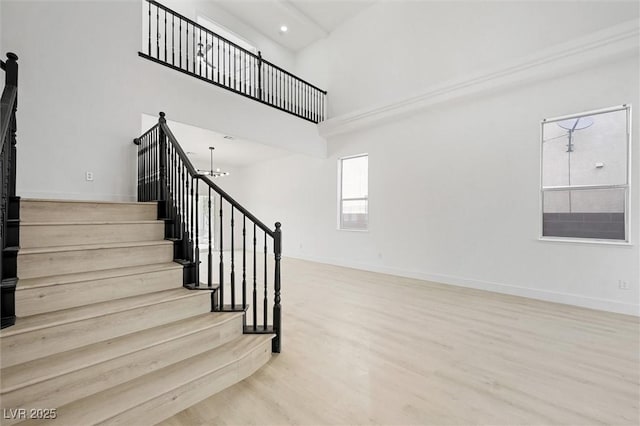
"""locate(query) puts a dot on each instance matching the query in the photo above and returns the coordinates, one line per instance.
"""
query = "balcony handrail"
(180, 43)
(200, 27)
(293, 75)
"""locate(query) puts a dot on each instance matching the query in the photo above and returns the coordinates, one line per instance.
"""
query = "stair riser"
(32, 301)
(66, 388)
(39, 343)
(69, 235)
(57, 211)
(68, 262)
(176, 400)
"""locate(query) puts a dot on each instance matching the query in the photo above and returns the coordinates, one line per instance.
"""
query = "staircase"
(105, 331)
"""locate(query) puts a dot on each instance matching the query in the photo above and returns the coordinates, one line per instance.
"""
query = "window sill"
(585, 241)
(352, 230)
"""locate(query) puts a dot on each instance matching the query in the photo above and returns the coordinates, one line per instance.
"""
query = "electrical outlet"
(88, 176)
(623, 285)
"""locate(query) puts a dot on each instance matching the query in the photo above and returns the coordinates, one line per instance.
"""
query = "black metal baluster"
(224, 63)
(255, 293)
(221, 260)
(235, 71)
(195, 55)
(185, 215)
(149, 46)
(197, 249)
(146, 167)
(228, 84)
(157, 32)
(210, 256)
(191, 234)
(264, 301)
(243, 72)
(206, 64)
(280, 89)
(173, 39)
(218, 50)
(153, 163)
(244, 262)
(186, 46)
(165, 35)
(260, 76)
(233, 273)
(277, 313)
(180, 43)
(201, 50)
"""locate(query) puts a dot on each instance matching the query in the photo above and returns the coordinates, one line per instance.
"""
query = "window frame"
(340, 199)
(626, 186)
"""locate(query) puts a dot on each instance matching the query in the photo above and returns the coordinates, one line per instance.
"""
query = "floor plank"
(368, 348)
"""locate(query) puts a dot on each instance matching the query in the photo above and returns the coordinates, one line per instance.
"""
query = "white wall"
(83, 88)
(454, 187)
(454, 194)
(396, 49)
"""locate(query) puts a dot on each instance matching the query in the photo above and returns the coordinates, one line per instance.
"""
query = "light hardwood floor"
(368, 348)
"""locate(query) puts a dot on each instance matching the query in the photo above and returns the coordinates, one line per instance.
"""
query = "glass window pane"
(593, 213)
(587, 150)
(354, 214)
(355, 177)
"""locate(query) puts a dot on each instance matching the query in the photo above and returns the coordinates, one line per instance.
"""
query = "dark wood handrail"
(166, 175)
(9, 96)
(264, 61)
(200, 27)
(248, 52)
(177, 42)
(193, 172)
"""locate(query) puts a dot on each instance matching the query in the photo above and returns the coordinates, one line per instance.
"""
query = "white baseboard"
(514, 290)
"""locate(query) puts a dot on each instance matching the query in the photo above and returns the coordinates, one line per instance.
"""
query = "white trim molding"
(619, 41)
(495, 287)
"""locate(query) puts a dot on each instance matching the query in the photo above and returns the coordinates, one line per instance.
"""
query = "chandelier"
(213, 172)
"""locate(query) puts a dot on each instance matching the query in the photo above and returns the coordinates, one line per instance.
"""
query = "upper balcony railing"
(180, 43)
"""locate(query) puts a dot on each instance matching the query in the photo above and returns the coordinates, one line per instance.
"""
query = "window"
(585, 175)
(354, 192)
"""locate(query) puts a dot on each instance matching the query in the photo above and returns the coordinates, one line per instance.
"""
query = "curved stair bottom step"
(154, 397)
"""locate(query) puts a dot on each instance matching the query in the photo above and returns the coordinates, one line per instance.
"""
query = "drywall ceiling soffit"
(307, 20)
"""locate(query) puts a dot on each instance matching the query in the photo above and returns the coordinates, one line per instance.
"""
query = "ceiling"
(307, 20)
(233, 153)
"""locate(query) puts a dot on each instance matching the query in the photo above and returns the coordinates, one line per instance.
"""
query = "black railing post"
(162, 190)
(276, 343)
(10, 204)
(259, 75)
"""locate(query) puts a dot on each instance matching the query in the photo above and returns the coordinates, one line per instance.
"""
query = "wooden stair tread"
(85, 247)
(107, 404)
(38, 370)
(94, 222)
(51, 319)
(45, 200)
(30, 283)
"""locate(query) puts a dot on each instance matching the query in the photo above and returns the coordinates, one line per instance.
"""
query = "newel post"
(11, 79)
(277, 316)
(162, 190)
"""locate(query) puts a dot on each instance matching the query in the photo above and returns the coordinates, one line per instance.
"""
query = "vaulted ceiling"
(306, 20)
